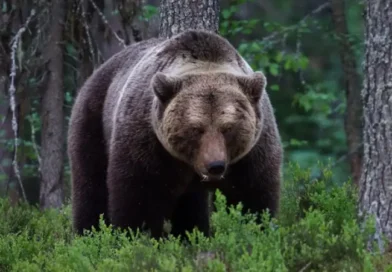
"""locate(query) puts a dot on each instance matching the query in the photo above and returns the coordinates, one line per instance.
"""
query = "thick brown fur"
(146, 126)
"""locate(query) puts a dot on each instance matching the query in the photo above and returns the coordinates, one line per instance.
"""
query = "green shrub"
(317, 230)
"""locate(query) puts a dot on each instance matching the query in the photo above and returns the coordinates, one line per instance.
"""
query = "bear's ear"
(165, 87)
(253, 85)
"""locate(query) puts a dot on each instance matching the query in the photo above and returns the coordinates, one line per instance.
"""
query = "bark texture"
(180, 15)
(52, 138)
(376, 179)
(5, 116)
(352, 81)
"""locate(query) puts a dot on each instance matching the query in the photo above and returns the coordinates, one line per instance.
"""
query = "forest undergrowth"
(317, 230)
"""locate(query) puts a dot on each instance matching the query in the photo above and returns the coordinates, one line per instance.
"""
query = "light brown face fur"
(208, 119)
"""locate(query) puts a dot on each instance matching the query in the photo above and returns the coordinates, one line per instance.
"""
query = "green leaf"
(4, 7)
(226, 14)
(303, 62)
(274, 69)
(274, 87)
(70, 49)
(288, 64)
(279, 57)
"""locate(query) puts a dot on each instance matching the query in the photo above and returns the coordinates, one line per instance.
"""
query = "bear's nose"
(216, 167)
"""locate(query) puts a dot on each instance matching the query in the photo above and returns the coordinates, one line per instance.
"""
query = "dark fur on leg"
(191, 211)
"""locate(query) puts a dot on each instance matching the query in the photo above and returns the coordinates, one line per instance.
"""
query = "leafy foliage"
(317, 229)
(303, 78)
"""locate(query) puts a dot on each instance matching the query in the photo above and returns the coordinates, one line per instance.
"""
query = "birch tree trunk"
(353, 118)
(180, 15)
(52, 137)
(376, 179)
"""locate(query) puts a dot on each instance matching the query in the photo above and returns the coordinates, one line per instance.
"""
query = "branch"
(36, 150)
(315, 11)
(345, 156)
(339, 160)
(272, 36)
(107, 23)
(90, 43)
(14, 44)
(305, 267)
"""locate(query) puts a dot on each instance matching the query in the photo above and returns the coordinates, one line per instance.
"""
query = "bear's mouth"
(210, 182)
(212, 173)
(211, 178)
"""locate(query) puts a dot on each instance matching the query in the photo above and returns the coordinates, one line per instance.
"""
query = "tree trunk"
(376, 179)
(353, 118)
(180, 15)
(5, 113)
(52, 138)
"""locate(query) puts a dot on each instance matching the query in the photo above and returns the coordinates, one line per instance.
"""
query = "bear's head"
(208, 120)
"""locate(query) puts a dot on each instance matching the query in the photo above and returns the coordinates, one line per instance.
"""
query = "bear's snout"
(211, 162)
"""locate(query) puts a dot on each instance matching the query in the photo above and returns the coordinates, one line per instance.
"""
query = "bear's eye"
(227, 129)
(197, 130)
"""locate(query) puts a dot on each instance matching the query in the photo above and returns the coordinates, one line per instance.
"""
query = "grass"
(317, 230)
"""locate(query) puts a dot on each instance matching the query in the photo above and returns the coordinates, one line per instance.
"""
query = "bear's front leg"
(255, 182)
(136, 196)
(191, 211)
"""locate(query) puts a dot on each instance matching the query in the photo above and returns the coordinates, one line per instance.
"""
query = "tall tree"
(351, 78)
(52, 133)
(180, 15)
(5, 112)
(376, 178)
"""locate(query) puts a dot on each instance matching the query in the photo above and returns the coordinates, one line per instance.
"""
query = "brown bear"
(162, 122)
